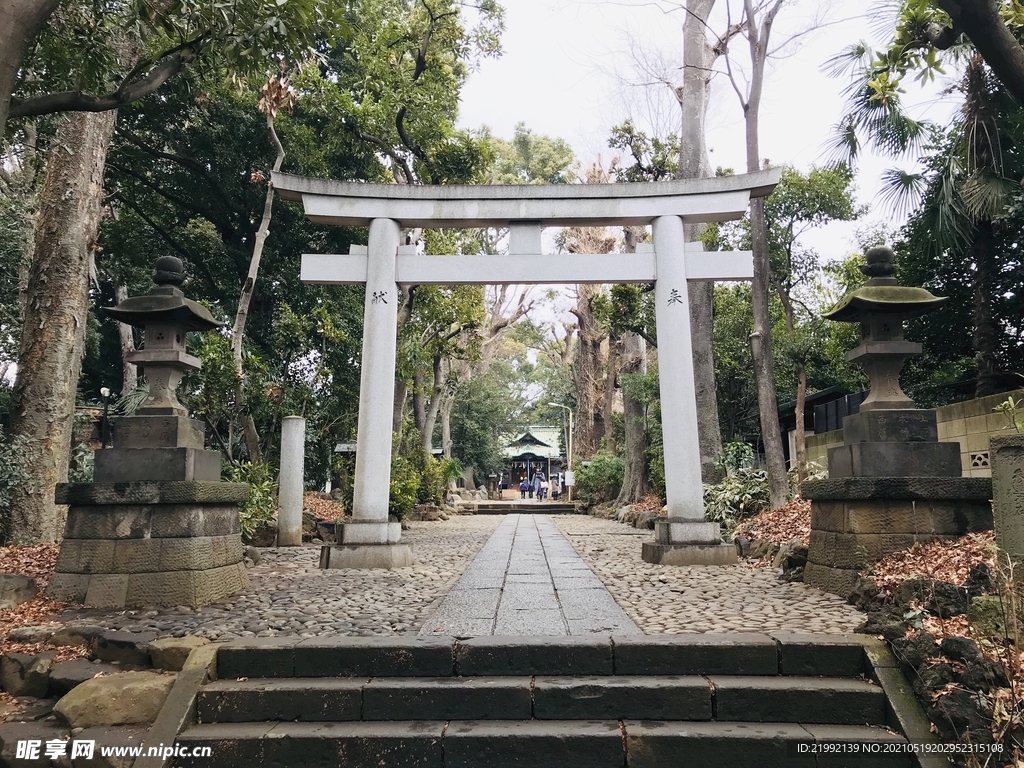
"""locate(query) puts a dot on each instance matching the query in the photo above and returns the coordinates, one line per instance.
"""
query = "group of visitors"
(539, 487)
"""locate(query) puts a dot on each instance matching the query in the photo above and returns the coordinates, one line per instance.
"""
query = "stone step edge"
(779, 653)
(674, 698)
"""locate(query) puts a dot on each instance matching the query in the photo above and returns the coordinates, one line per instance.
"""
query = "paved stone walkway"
(664, 599)
(528, 580)
(290, 596)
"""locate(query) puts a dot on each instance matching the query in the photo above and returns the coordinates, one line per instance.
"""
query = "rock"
(124, 647)
(170, 653)
(308, 522)
(792, 554)
(121, 699)
(987, 616)
(13, 732)
(914, 651)
(326, 531)
(645, 520)
(123, 736)
(67, 675)
(938, 597)
(888, 625)
(405, 525)
(742, 546)
(16, 589)
(864, 595)
(932, 678)
(948, 600)
(253, 554)
(763, 548)
(247, 562)
(793, 574)
(336, 494)
(265, 536)
(620, 515)
(81, 636)
(961, 716)
(39, 633)
(979, 580)
(426, 512)
(960, 648)
(24, 674)
(983, 675)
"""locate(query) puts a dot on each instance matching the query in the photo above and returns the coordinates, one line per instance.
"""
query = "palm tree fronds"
(902, 190)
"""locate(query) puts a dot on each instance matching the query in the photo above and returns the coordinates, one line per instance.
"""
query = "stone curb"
(179, 710)
(903, 710)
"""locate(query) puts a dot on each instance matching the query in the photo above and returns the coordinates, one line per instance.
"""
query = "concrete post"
(685, 538)
(376, 391)
(290, 481)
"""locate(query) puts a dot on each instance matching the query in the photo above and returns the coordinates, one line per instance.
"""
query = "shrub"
(742, 493)
(601, 480)
(261, 507)
(405, 486)
(12, 472)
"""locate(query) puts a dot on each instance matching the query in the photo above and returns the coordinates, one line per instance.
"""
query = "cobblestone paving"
(290, 596)
(664, 599)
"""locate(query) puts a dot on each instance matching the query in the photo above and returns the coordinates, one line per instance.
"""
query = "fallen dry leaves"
(948, 560)
(324, 509)
(788, 522)
(649, 503)
(37, 562)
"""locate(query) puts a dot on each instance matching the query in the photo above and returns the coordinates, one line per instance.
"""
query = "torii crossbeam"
(370, 540)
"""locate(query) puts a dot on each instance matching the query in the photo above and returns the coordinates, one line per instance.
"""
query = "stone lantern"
(891, 483)
(890, 435)
(157, 526)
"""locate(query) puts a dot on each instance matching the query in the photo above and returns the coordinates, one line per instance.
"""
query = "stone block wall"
(970, 423)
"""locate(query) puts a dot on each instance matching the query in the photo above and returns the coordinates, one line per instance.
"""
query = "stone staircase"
(524, 507)
(588, 702)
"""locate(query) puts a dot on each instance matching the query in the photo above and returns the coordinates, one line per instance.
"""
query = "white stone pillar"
(376, 392)
(683, 486)
(290, 481)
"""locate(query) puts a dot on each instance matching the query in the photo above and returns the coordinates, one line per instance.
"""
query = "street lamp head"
(104, 392)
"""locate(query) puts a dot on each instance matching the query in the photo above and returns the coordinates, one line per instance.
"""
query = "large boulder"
(645, 520)
(792, 554)
(33, 633)
(16, 589)
(82, 636)
(23, 674)
(67, 675)
(170, 653)
(987, 615)
(121, 699)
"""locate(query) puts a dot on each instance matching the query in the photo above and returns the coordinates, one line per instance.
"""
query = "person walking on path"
(538, 478)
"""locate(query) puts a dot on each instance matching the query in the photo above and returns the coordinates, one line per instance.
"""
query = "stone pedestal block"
(366, 556)
(158, 432)
(898, 426)
(858, 521)
(125, 465)
(688, 554)
(137, 544)
(673, 530)
(1008, 493)
(876, 459)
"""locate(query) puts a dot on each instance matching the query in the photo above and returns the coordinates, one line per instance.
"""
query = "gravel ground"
(290, 596)
(673, 600)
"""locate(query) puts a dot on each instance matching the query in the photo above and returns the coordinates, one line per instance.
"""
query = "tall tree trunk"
(636, 475)
(433, 407)
(800, 435)
(986, 334)
(761, 338)
(20, 22)
(129, 371)
(398, 415)
(252, 438)
(608, 396)
(587, 371)
(698, 58)
(419, 406)
(53, 337)
(446, 424)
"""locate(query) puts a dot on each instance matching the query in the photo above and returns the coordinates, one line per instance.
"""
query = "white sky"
(567, 64)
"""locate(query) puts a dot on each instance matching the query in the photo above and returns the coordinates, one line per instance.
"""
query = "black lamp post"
(105, 424)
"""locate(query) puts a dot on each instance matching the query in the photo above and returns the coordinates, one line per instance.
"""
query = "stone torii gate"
(369, 540)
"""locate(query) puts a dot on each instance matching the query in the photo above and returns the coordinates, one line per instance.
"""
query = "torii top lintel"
(721, 198)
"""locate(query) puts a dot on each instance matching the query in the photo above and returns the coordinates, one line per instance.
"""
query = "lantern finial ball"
(169, 271)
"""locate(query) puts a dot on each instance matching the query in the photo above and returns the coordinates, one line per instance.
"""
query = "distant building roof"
(538, 440)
